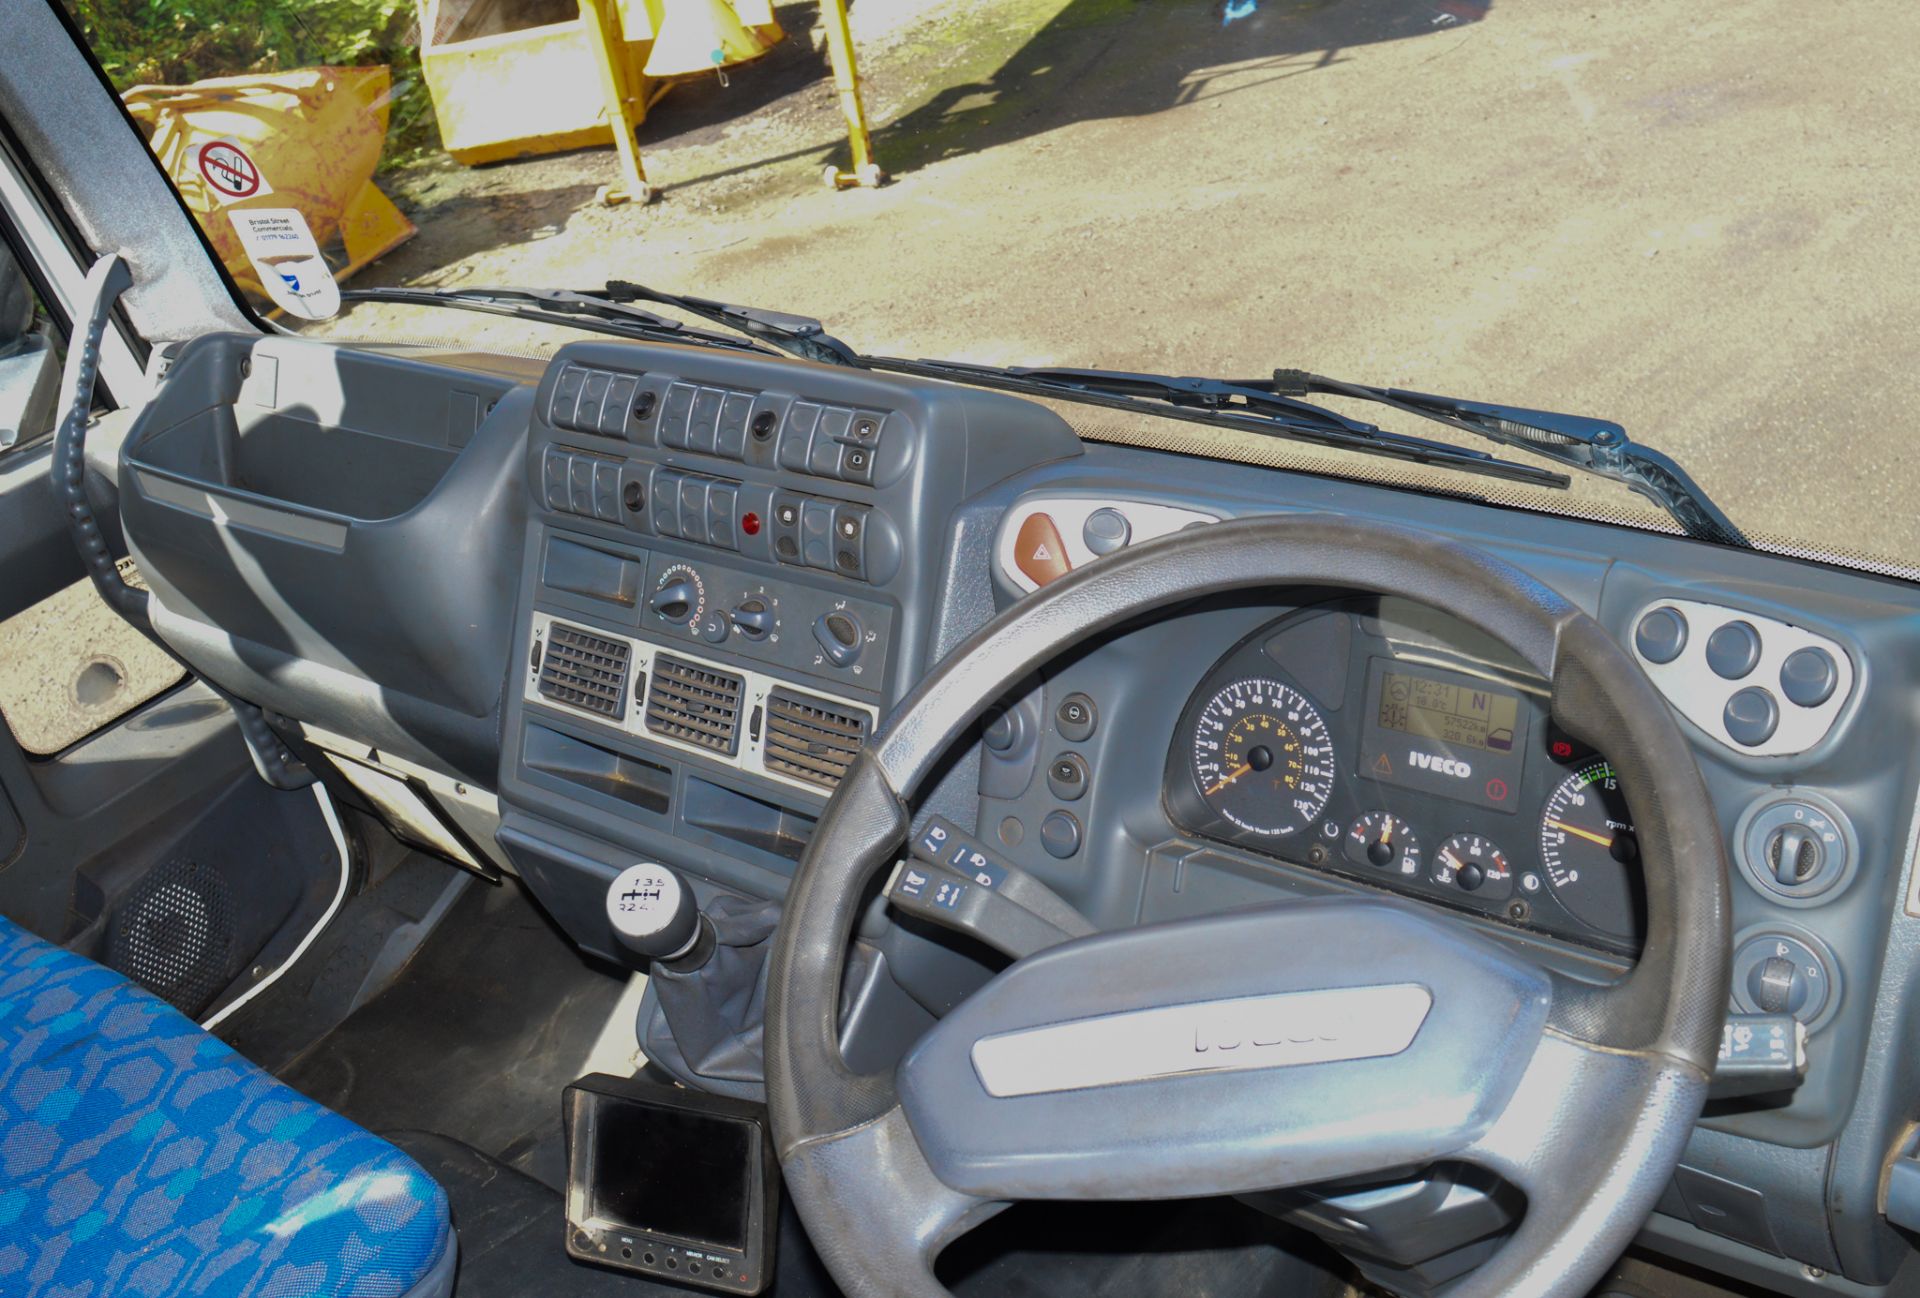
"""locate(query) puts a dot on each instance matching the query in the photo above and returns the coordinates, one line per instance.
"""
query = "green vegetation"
(173, 42)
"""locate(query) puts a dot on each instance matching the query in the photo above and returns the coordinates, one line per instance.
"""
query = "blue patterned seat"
(142, 1157)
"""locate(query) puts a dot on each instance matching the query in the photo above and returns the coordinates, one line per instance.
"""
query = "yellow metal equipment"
(314, 135)
(586, 72)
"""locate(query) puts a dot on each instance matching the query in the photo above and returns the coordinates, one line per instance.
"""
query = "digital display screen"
(672, 1172)
(1459, 716)
(1443, 732)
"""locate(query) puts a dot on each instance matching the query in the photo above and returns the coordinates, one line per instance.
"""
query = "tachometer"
(1262, 758)
(1587, 847)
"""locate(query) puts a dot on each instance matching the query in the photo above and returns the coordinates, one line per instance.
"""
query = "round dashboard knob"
(752, 618)
(677, 601)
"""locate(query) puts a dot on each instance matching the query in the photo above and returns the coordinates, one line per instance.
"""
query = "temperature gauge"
(1473, 864)
(1384, 841)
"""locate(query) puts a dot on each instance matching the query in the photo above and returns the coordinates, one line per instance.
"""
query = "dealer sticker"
(287, 259)
(230, 172)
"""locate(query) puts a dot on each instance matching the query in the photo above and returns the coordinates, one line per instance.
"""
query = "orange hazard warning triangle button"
(1038, 550)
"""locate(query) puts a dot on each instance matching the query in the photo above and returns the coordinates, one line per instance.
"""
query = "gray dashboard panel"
(310, 616)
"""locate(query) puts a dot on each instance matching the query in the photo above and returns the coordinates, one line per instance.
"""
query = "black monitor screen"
(672, 1172)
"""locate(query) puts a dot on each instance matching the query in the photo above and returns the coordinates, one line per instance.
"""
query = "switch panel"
(1758, 685)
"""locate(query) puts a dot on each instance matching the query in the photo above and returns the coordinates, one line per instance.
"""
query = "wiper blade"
(589, 311)
(1599, 446)
(798, 335)
(1252, 407)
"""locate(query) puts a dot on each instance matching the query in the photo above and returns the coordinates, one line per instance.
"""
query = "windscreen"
(1669, 216)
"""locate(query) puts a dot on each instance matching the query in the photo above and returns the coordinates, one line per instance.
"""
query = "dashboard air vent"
(585, 670)
(812, 739)
(695, 705)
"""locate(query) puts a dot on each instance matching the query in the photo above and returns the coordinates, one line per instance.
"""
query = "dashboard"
(645, 601)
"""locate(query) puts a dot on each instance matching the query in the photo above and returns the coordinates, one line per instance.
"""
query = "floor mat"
(475, 1039)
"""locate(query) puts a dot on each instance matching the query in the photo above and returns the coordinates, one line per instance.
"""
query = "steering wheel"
(1277, 1046)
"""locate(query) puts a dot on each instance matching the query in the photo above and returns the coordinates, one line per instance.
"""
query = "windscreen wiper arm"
(799, 335)
(1244, 407)
(589, 311)
(1599, 446)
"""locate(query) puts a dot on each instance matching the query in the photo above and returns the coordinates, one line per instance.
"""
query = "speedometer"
(1588, 849)
(1262, 757)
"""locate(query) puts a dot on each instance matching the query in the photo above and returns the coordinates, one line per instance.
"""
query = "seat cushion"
(141, 1156)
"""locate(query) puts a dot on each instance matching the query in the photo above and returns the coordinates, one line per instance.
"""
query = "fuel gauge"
(1473, 864)
(1384, 841)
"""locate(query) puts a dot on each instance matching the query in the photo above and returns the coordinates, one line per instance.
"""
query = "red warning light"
(1562, 750)
(1497, 790)
(750, 523)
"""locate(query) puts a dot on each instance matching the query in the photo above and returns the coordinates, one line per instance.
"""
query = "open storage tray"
(282, 493)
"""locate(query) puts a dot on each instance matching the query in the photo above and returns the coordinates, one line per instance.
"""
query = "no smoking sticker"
(287, 260)
(231, 174)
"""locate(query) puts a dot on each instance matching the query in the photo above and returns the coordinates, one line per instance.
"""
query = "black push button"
(1751, 717)
(1808, 677)
(613, 410)
(785, 530)
(1075, 718)
(1661, 635)
(1060, 834)
(566, 396)
(1733, 650)
(593, 397)
(674, 417)
(1067, 777)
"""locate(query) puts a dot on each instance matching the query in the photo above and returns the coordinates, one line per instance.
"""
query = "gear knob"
(652, 912)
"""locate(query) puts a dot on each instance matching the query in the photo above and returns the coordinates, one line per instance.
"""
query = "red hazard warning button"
(1038, 550)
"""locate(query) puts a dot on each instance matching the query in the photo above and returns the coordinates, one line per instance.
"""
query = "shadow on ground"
(1132, 58)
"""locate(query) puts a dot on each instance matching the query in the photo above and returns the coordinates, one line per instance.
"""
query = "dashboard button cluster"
(1757, 684)
(584, 485)
(830, 535)
(830, 442)
(694, 507)
(713, 421)
(592, 401)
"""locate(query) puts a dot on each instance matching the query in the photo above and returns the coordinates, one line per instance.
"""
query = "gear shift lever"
(654, 917)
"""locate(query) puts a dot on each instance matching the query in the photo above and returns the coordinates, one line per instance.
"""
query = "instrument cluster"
(1388, 742)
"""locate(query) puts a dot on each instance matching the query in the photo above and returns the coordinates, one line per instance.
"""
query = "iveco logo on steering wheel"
(1443, 765)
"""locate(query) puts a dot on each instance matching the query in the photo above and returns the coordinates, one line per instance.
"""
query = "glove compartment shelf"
(292, 504)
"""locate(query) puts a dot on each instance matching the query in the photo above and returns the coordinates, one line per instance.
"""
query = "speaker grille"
(586, 670)
(695, 705)
(173, 934)
(812, 739)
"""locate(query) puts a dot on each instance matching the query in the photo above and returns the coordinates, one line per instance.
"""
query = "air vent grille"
(812, 739)
(585, 670)
(695, 705)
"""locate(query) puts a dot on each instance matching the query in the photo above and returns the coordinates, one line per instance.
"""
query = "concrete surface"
(1700, 220)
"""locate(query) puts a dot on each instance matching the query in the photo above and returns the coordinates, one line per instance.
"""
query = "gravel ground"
(1698, 220)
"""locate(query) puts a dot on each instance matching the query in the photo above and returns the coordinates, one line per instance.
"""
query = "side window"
(30, 355)
(69, 665)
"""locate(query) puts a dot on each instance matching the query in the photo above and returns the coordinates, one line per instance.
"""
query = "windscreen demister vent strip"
(812, 739)
(585, 670)
(695, 705)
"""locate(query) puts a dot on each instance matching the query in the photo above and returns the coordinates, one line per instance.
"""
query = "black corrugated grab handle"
(108, 279)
